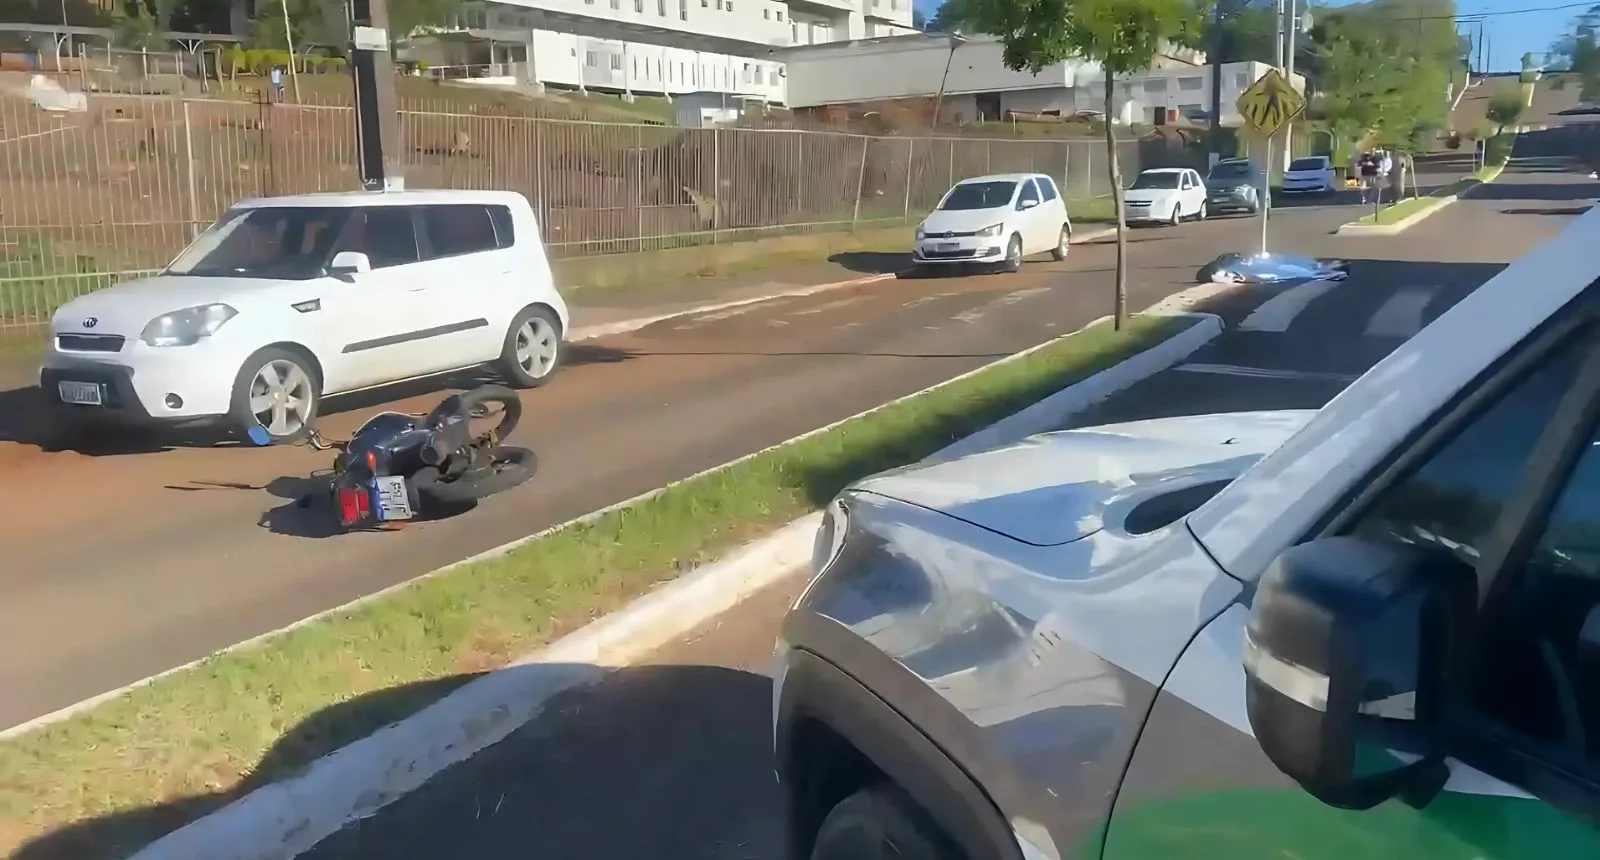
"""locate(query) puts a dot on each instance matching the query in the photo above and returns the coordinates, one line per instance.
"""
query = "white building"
(646, 46)
(980, 87)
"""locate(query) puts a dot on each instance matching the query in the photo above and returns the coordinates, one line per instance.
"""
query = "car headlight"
(992, 230)
(922, 232)
(187, 326)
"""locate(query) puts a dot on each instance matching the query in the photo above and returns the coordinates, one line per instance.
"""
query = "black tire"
(1177, 216)
(543, 324)
(515, 467)
(880, 823)
(1063, 244)
(484, 395)
(1013, 261)
(1201, 215)
(240, 413)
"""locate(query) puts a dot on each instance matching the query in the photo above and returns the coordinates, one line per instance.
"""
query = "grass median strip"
(105, 782)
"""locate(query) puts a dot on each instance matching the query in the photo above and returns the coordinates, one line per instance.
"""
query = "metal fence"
(90, 198)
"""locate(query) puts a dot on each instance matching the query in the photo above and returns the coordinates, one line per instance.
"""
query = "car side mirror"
(349, 263)
(1350, 656)
(1026, 204)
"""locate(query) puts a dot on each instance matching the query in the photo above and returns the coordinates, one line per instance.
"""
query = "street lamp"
(956, 41)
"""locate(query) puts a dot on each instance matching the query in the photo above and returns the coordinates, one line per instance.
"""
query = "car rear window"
(1232, 170)
(979, 195)
(465, 228)
(1308, 164)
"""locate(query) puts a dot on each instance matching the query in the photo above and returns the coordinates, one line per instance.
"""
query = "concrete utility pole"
(1219, 46)
(377, 122)
(1290, 25)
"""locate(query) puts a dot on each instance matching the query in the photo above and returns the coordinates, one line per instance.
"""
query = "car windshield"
(1156, 180)
(1307, 164)
(979, 195)
(1232, 170)
(279, 242)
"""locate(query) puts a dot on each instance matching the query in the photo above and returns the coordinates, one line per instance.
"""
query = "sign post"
(1267, 107)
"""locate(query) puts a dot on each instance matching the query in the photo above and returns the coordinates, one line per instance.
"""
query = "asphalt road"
(120, 566)
(670, 758)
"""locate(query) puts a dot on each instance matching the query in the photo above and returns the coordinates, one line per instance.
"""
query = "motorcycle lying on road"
(400, 467)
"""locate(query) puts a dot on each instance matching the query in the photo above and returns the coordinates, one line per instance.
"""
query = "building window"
(1191, 84)
(1155, 85)
(661, 8)
(780, 14)
(772, 77)
(894, 4)
(573, 51)
(719, 5)
(616, 63)
(1244, 80)
(766, 14)
(590, 60)
(730, 5)
(636, 67)
(683, 10)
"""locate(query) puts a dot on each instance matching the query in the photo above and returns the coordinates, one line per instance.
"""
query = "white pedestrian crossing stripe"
(1401, 315)
(1276, 313)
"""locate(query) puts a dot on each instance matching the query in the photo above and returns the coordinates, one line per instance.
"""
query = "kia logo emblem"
(91, 322)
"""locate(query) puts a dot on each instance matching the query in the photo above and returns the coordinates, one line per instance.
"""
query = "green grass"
(116, 777)
(1092, 210)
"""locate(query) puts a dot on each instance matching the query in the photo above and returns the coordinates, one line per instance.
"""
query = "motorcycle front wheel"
(508, 467)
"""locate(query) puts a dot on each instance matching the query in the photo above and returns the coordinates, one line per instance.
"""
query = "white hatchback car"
(995, 220)
(286, 300)
(1314, 174)
(1165, 195)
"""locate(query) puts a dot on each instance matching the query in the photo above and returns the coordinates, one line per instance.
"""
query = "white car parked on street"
(1165, 195)
(1314, 174)
(286, 300)
(995, 220)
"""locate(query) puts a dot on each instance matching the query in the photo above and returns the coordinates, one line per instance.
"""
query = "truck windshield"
(277, 242)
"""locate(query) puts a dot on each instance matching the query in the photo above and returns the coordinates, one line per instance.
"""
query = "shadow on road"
(872, 262)
(27, 416)
(569, 782)
(1546, 210)
(1535, 191)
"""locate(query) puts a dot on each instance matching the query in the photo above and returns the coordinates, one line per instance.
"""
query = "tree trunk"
(1120, 312)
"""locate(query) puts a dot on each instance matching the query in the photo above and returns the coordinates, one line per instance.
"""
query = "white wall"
(750, 21)
(570, 60)
(909, 66)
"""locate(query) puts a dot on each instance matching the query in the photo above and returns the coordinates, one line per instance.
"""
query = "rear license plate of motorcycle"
(390, 499)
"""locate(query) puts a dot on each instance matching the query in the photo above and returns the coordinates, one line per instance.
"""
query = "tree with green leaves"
(1384, 69)
(1122, 36)
(1505, 107)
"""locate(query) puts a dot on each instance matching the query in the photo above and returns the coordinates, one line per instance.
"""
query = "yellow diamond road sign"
(1270, 103)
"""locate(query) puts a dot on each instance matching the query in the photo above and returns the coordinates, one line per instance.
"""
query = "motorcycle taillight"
(353, 505)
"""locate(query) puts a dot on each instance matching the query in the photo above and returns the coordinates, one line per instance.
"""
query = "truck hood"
(1056, 488)
(127, 307)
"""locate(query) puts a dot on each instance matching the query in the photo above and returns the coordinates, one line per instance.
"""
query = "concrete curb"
(284, 819)
(590, 332)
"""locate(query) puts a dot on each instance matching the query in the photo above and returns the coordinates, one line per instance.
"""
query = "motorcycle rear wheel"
(509, 466)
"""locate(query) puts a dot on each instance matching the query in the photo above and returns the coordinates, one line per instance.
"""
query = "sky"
(1511, 35)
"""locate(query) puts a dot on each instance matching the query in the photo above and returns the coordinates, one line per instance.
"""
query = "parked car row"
(998, 221)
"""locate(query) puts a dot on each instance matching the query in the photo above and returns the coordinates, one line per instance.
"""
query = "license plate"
(947, 246)
(389, 494)
(80, 393)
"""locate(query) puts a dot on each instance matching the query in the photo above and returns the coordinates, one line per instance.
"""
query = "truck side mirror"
(1350, 656)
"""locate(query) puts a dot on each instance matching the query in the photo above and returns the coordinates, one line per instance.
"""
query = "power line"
(1466, 17)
